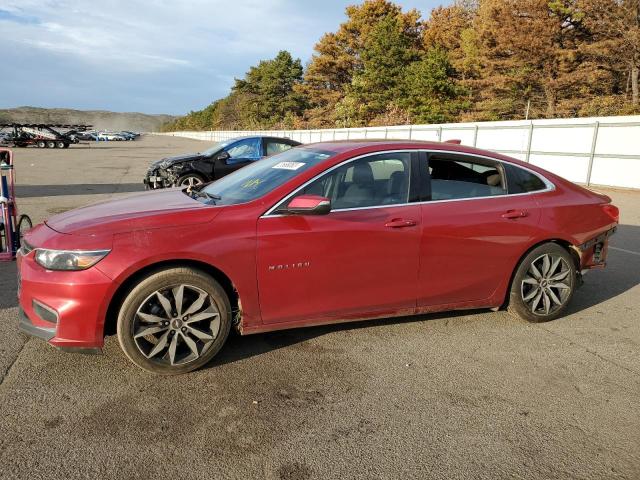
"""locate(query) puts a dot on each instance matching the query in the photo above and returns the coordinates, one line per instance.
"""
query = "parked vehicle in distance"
(117, 137)
(219, 160)
(318, 234)
(87, 136)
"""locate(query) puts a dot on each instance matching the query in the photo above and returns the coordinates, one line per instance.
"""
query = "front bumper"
(73, 305)
(156, 179)
(26, 326)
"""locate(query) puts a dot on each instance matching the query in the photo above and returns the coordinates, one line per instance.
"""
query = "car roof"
(250, 137)
(357, 147)
(343, 146)
(340, 146)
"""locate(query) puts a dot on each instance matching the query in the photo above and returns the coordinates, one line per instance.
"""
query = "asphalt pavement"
(475, 394)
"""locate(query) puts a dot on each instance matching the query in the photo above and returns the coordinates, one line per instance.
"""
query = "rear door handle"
(400, 223)
(511, 214)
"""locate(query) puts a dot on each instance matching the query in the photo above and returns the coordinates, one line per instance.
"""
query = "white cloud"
(143, 36)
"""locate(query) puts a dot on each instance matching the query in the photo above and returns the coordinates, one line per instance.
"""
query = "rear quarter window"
(522, 181)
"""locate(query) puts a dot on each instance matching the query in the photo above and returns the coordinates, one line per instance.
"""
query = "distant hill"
(101, 120)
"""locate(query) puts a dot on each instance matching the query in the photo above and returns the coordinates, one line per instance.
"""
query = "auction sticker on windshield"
(288, 165)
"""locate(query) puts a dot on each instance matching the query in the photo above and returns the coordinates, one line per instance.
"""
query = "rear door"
(359, 260)
(473, 231)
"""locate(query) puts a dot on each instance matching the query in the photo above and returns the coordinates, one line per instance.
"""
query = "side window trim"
(549, 185)
(416, 154)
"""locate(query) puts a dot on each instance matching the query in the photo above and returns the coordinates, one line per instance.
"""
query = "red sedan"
(323, 233)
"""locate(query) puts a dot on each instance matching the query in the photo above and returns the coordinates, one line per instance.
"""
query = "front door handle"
(400, 223)
(513, 214)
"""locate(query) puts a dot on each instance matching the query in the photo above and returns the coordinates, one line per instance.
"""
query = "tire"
(60, 144)
(24, 224)
(177, 343)
(51, 144)
(543, 284)
(190, 180)
(41, 144)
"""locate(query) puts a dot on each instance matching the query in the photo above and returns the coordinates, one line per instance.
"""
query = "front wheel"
(174, 321)
(24, 224)
(543, 284)
(190, 180)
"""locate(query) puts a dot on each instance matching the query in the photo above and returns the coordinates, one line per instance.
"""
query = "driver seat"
(361, 192)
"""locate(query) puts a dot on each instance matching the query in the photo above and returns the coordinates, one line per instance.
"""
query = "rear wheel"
(41, 144)
(543, 284)
(60, 144)
(190, 180)
(51, 144)
(174, 321)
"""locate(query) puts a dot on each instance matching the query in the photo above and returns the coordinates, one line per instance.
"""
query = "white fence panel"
(617, 172)
(603, 150)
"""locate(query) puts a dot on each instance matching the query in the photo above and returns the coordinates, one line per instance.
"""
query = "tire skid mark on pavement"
(7, 371)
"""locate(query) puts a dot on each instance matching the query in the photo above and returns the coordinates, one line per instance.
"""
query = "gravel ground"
(457, 395)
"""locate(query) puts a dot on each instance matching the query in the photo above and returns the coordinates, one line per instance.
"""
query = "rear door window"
(456, 176)
(520, 180)
(275, 146)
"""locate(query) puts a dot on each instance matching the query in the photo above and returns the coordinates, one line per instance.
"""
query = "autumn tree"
(471, 60)
(338, 57)
(451, 29)
(616, 26)
(528, 50)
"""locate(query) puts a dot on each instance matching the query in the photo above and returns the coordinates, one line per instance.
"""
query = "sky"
(162, 56)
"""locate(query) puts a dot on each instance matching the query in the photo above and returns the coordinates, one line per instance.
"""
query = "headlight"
(68, 259)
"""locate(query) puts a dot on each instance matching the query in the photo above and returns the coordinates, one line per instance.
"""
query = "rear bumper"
(593, 253)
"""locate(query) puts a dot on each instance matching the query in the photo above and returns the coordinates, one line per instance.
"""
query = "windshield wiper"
(203, 194)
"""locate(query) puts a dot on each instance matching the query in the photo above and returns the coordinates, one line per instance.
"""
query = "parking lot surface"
(457, 395)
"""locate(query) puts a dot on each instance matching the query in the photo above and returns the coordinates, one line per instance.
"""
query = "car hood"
(154, 209)
(168, 161)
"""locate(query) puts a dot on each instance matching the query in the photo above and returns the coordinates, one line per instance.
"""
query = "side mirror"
(309, 205)
(223, 156)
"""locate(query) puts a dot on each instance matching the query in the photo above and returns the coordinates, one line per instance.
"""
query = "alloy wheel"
(191, 182)
(547, 285)
(176, 325)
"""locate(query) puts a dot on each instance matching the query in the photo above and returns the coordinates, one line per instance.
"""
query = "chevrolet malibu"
(323, 233)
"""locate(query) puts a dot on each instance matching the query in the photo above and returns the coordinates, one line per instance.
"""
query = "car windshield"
(216, 147)
(259, 178)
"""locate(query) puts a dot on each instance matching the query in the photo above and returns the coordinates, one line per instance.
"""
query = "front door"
(359, 260)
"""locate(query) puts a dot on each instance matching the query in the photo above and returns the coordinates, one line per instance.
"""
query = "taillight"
(612, 211)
